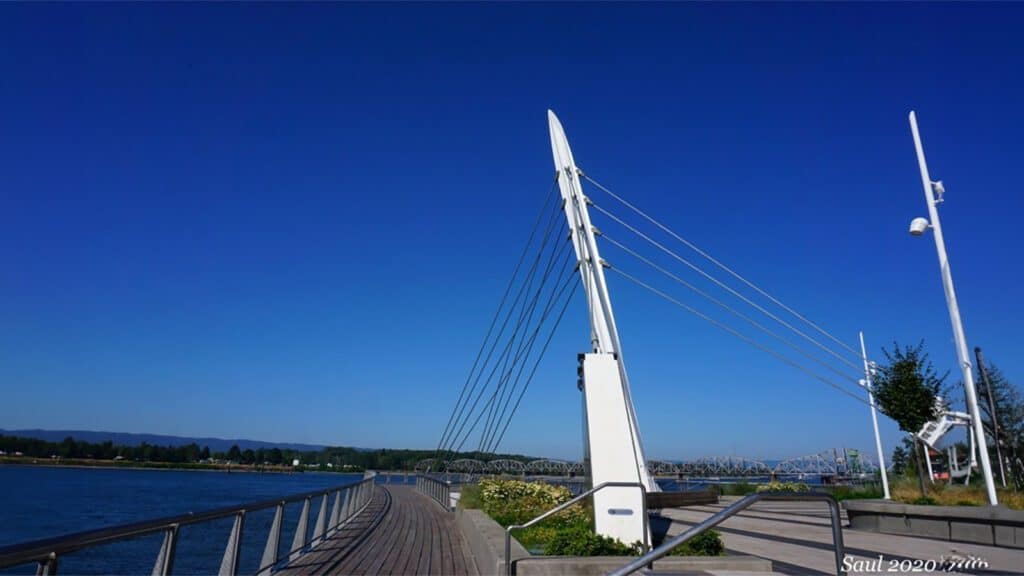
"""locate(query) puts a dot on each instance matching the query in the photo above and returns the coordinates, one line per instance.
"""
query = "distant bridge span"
(825, 463)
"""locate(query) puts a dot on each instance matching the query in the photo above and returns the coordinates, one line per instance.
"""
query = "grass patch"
(856, 492)
(941, 494)
(469, 497)
(736, 489)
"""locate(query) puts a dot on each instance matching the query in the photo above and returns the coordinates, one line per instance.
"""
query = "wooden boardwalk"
(399, 532)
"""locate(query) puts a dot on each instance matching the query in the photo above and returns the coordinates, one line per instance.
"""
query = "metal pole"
(954, 313)
(992, 411)
(874, 418)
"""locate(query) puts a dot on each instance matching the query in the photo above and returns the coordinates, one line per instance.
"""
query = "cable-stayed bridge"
(575, 240)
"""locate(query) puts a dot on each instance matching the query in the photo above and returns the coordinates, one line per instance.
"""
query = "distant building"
(295, 462)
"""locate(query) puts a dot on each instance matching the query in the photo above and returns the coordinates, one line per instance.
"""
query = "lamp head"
(918, 226)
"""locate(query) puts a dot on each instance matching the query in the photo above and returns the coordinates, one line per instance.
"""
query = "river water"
(42, 502)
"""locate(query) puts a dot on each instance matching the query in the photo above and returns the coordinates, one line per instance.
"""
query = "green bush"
(925, 501)
(469, 497)
(580, 540)
(784, 487)
(737, 489)
(708, 543)
(855, 492)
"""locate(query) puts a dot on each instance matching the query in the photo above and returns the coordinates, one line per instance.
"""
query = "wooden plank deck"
(399, 532)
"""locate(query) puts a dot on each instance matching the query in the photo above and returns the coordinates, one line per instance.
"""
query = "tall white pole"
(954, 316)
(874, 418)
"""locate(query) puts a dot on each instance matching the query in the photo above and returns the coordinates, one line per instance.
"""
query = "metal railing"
(436, 489)
(736, 508)
(560, 507)
(348, 500)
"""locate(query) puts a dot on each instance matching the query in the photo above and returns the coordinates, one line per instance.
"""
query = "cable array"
(514, 343)
(802, 331)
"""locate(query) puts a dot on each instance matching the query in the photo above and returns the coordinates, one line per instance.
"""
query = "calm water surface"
(41, 502)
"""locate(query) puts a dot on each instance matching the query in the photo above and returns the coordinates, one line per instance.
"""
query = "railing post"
(229, 563)
(321, 522)
(270, 551)
(837, 534)
(47, 567)
(165, 557)
(335, 512)
(300, 540)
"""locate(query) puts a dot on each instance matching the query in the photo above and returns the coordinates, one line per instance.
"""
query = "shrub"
(708, 543)
(856, 492)
(784, 487)
(469, 497)
(737, 489)
(580, 540)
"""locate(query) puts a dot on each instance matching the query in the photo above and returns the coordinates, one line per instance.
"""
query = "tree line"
(335, 457)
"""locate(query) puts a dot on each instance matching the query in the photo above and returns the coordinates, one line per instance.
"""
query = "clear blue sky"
(292, 222)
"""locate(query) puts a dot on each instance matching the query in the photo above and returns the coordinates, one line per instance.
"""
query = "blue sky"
(292, 222)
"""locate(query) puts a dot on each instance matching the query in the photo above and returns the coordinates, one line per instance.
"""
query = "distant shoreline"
(131, 465)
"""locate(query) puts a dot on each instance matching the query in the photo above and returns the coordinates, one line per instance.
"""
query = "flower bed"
(568, 533)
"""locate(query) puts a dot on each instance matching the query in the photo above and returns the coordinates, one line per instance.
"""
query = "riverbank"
(131, 464)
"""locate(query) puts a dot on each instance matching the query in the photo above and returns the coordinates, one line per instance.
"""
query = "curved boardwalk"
(399, 532)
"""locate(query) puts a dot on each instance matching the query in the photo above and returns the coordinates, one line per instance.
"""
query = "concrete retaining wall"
(486, 540)
(990, 525)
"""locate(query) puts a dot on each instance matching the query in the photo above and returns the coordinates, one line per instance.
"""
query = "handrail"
(438, 490)
(563, 506)
(733, 509)
(349, 499)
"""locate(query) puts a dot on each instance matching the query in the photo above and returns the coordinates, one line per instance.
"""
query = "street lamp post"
(917, 227)
(866, 382)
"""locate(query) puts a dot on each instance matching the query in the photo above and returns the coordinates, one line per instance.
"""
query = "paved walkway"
(399, 532)
(797, 538)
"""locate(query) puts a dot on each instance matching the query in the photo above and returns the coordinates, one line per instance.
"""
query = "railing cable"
(493, 446)
(729, 309)
(508, 346)
(459, 417)
(737, 334)
(718, 263)
(497, 312)
(536, 330)
(722, 285)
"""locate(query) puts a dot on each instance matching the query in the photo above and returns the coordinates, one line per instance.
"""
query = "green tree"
(1009, 409)
(907, 389)
(235, 453)
(900, 458)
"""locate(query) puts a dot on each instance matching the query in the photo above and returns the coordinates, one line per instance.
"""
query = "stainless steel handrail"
(48, 550)
(438, 490)
(563, 506)
(733, 509)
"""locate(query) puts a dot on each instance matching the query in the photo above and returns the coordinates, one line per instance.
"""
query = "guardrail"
(560, 507)
(438, 490)
(736, 508)
(349, 500)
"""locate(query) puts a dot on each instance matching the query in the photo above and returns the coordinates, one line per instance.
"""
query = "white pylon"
(614, 452)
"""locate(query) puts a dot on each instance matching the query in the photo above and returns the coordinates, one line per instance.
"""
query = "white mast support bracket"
(614, 452)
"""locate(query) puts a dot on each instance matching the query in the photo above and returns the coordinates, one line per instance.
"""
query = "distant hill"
(131, 439)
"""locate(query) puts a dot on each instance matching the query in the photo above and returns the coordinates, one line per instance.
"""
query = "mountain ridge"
(137, 438)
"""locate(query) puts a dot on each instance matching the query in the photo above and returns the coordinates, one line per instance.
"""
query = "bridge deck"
(399, 532)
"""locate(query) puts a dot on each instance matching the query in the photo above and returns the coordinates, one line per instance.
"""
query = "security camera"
(918, 226)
